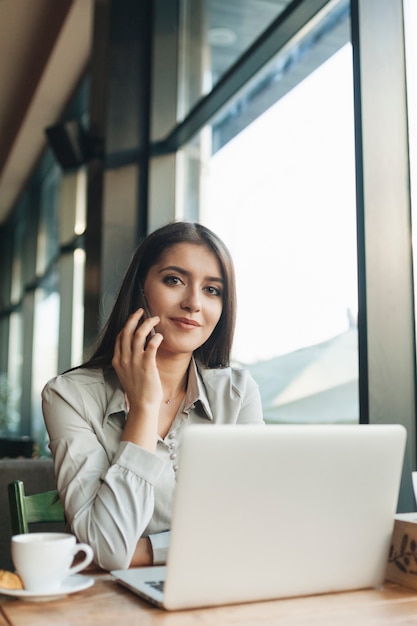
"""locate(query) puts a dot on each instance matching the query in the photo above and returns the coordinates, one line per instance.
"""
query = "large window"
(274, 175)
(58, 303)
(45, 324)
(215, 34)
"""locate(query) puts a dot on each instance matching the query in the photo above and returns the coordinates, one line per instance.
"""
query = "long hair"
(215, 352)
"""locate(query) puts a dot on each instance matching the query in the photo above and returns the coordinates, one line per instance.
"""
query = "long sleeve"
(107, 487)
(160, 544)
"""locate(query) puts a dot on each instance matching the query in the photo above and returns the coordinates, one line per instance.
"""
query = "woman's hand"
(134, 361)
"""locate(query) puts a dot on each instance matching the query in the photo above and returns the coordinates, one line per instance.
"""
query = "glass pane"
(13, 381)
(214, 34)
(78, 308)
(280, 190)
(45, 351)
(48, 240)
(72, 205)
(17, 264)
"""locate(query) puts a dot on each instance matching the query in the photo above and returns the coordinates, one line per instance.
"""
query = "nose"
(191, 300)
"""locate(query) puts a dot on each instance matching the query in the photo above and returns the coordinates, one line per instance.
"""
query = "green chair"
(25, 510)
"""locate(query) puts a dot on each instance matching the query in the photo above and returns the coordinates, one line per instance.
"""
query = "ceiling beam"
(45, 102)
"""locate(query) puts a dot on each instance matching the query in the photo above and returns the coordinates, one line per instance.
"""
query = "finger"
(122, 351)
(134, 320)
(131, 324)
(154, 342)
(146, 329)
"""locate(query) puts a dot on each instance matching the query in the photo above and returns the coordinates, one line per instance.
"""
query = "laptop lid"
(276, 511)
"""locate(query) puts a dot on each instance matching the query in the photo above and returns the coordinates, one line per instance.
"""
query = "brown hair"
(215, 352)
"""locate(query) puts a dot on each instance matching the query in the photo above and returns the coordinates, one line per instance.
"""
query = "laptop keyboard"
(156, 584)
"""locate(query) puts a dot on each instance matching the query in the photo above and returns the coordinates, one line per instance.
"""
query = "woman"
(115, 424)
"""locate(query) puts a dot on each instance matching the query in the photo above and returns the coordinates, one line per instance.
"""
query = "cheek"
(161, 300)
(215, 313)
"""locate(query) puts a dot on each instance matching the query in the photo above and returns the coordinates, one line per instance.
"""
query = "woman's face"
(185, 289)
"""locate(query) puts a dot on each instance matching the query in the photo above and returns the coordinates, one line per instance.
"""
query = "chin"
(180, 347)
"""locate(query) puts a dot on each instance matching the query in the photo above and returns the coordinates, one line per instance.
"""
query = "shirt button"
(171, 435)
(173, 456)
(175, 468)
(172, 445)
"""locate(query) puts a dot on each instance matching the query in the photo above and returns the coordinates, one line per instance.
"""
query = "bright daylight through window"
(281, 193)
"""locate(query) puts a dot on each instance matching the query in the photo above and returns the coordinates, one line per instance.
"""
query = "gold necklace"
(171, 400)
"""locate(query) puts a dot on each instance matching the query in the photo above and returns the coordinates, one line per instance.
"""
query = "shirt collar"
(196, 392)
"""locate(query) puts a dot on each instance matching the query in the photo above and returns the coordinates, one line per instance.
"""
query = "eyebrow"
(181, 270)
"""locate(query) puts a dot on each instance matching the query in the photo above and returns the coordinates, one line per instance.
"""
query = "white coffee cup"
(43, 560)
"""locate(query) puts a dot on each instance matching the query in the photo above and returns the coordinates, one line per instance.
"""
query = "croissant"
(9, 580)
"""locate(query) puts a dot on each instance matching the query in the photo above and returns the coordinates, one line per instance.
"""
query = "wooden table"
(109, 604)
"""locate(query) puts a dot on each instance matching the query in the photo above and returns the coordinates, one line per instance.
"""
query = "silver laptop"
(276, 511)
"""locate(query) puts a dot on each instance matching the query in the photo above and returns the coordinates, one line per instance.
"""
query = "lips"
(185, 322)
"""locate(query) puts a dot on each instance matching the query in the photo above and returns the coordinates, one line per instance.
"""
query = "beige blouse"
(115, 492)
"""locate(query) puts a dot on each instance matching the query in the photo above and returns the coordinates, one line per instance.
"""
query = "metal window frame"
(286, 26)
(387, 347)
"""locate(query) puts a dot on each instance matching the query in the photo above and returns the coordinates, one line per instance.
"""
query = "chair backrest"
(39, 507)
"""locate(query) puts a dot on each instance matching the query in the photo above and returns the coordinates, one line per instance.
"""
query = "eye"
(172, 280)
(214, 291)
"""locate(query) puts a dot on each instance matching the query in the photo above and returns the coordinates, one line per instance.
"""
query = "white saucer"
(76, 582)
